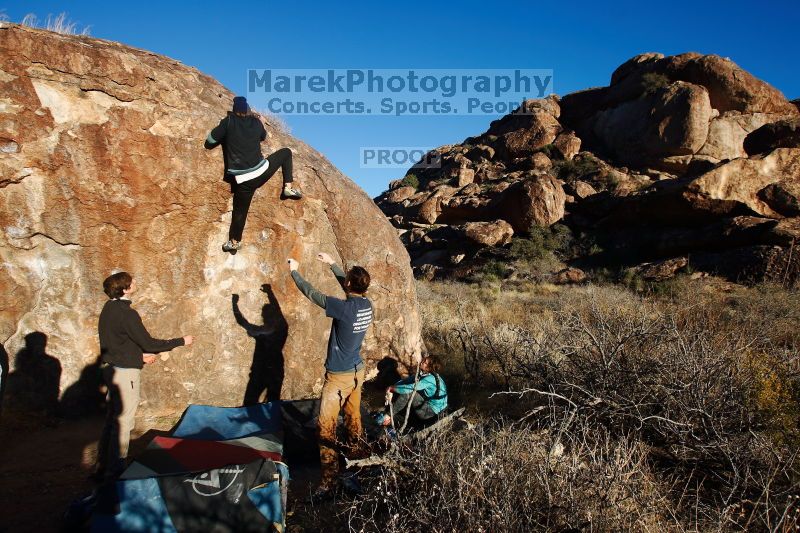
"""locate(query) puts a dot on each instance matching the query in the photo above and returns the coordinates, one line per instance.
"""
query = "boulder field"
(670, 161)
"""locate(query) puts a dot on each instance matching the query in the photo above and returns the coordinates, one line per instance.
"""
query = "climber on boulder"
(240, 133)
(344, 368)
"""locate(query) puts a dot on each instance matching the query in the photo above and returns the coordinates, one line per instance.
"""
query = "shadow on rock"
(266, 370)
(34, 384)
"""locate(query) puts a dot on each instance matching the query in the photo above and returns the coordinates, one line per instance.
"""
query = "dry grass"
(680, 412)
(497, 477)
(57, 23)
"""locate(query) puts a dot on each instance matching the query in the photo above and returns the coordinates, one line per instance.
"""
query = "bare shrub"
(708, 382)
(497, 477)
(274, 121)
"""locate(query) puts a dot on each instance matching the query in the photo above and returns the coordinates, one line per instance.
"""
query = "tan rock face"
(542, 129)
(465, 176)
(536, 201)
(734, 186)
(495, 233)
(400, 194)
(102, 167)
(726, 134)
(583, 189)
(730, 87)
(568, 144)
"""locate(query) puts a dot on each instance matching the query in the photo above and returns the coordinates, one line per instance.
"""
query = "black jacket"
(240, 138)
(123, 337)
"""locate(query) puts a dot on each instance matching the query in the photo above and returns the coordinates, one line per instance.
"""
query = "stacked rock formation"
(679, 155)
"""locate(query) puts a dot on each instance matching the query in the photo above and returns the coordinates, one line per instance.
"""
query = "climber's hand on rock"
(235, 298)
(325, 258)
(293, 264)
(149, 358)
(188, 340)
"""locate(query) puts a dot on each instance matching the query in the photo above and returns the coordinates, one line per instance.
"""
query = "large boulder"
(671, 122)
(734, 187)
(537, 201)
(102, 167)
(523, 132)
(496, 233)
(727, 134)
(682, 114)
(730, 87)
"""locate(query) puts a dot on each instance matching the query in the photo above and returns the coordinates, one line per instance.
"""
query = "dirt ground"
(45, 461)
(44, 464)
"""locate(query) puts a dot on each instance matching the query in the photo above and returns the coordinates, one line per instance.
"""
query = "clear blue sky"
(581, 41)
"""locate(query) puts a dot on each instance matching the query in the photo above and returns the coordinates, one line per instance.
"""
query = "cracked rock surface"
(102, 167)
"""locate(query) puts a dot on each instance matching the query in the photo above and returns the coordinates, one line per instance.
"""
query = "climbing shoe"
(292, 193)
(231, 247)
(382, 419)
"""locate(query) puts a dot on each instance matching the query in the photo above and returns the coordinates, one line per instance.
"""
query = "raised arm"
(305, 287)
(337, 270)
(339, 273)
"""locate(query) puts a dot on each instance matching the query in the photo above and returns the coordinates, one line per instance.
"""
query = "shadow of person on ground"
(38, 445)
(266, 370)
(35, 382)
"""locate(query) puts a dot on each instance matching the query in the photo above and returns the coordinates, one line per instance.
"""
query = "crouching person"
(125, 347)
(427, 402)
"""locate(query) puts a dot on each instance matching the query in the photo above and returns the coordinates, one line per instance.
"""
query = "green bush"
(410, 180)
(653, 81)
(576, 168)
(542, 241)
(492, 270)
(550, 151)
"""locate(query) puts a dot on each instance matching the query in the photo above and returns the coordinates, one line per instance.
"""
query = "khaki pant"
(123, 400)
(340, 391)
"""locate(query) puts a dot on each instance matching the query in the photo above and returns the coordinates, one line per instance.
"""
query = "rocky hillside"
(681, 162)
(102, 167)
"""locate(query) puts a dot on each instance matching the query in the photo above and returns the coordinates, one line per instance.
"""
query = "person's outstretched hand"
(188, 340)
(149, 358)
(293, 264)
(235, 298)
(325, 258)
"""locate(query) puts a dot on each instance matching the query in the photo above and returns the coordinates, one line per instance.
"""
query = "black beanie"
(240, 104)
